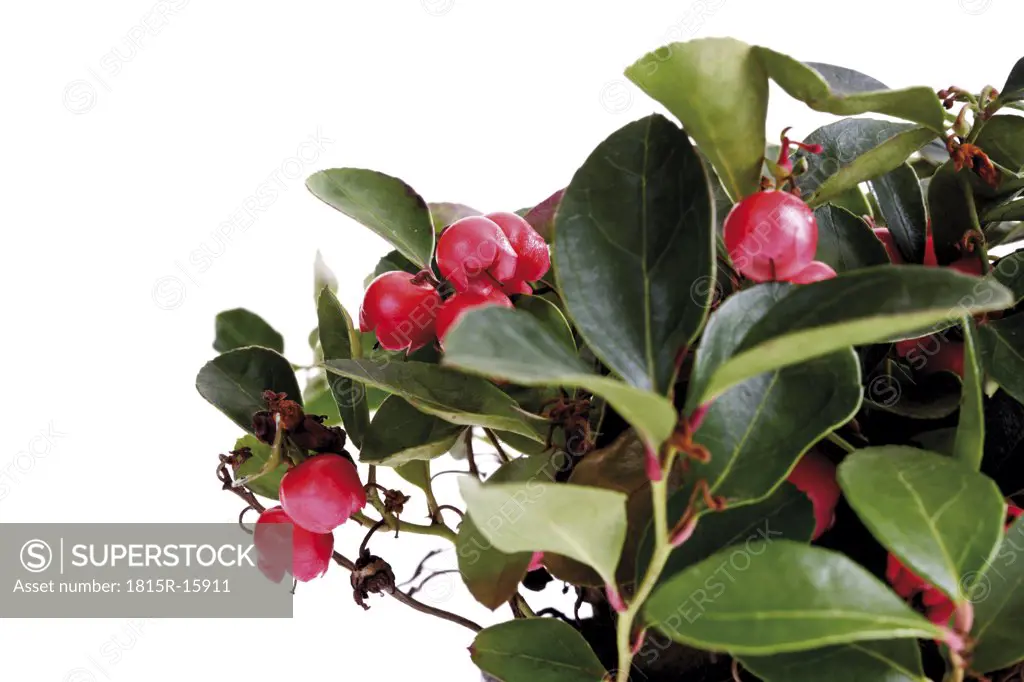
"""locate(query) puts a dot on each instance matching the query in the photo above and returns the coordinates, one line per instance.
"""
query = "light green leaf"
(382, 203)
(635, 242)
(545, 517)
(969, 446)
(513, 345)
(999, 606)
(445, 393)
(536, 650)
(940, 518)
(718, 89)
(234, 382)
(780, 597)
(1002, 139)
(239, 328)
(268, 484)
(445, 213)
(897, 660)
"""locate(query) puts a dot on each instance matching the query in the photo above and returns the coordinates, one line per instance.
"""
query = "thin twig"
(491, 436)
(469, 454)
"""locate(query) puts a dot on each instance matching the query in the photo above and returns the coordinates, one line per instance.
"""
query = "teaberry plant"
(757, 404)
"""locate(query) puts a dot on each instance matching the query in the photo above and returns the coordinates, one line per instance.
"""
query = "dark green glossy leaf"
(542, 216)
(1009, 211)
(550, 317)
(268, 484)
(391, 261)
(1003, 233)
(757, 430)
(635, 241)
(855, 308)
(950, 209)
(999, 606)
(787, 513)
(545, 517)
(896, 388)
(234, 382)
(536, 650)
(382, 203)
(901, 203)
(319, 400)
(856, 150)
(491, 575)
(239, 328)
(400, 433)
(1002, 139)
(339, 341)
(897, 660)
(445, 393)
(1001, 346)
(718, 89)
(851, 92)
(969, 446)
(445, 213)
(845, 241)
(1014, 88)
(514, 345)
(779, 597)
(939, 517)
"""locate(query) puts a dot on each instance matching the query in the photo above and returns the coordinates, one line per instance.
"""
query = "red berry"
(455, 307)
(904, 348)
(969, 265)
(815, 476)
(400, 311)
(948, 358)
(310, 552)
(322, 493)
(929, 252)
(885, 236)
(816, 271)
(903, 581)
(1013, 512)
(475, 255)
(771, 235)
(533, 258)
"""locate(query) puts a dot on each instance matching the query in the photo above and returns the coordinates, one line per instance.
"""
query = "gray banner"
(135, 570)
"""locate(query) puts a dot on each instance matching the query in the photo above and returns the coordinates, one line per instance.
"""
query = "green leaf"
(779, 597)
(445, 393)
(1000, 233)
(758, 430)
(1014, 88)
(536, 650)
(897, 660)
(1009, 211)
(382, 203)
(940, 518)
(239, 328)
(444, 214)
(856, 150)
(635, 242)
(787, 513)
(339, 341)
(416, 472)
(545, 517)
(969, 446)
(896, 389)
(855, 308)
(319, 400)
(234, 382)
(1001, 346)
(542, 216)
(718, 89)
(999, 607)
(400, 433)
(1002, 139)
(901, 201)
(392, 261)
(268, 484)
(949, 209)
(550, 317)
(845, 241)
(851, 93)
(491, 575)
(513, 345)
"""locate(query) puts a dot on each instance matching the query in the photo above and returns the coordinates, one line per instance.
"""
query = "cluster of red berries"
(772, 236)
(485, 259)
(317, 496)
(815, 476)
(937, 606)
(947, 354)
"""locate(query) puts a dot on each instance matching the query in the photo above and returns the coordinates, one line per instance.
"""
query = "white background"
(135, 134)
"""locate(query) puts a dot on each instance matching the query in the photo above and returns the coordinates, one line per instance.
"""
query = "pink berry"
(885, 236)
(400, 311)
(815, 476)
(310, 552)
(816, 271)
(475, 255)
(771, 235)
(533, 258)
(455, 307)
(322, 493)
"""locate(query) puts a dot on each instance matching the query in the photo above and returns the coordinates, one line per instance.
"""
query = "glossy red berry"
(475, 255)
(948, 358)
(929, 251)
(533, 258)
(401, 311)
(455, 307)
(816, 271)
(815, 476)
(771, 235)
(885, 236)
(322, 493)
(310, 553)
